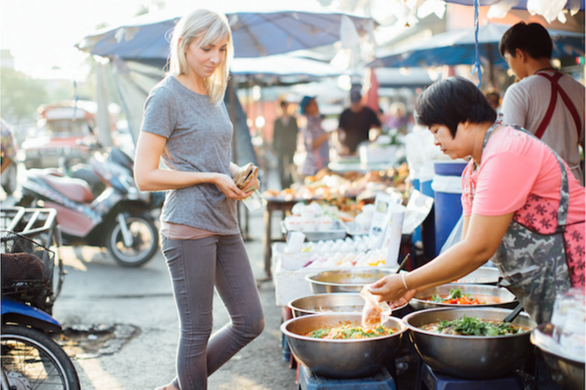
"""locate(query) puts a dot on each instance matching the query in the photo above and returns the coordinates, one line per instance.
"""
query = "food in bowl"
(456, 297)
(472, 326)
(346, 332)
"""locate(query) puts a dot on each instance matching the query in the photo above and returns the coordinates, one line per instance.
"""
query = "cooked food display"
(472, 326)
(340, 309)
(455, 297)
(346, 332)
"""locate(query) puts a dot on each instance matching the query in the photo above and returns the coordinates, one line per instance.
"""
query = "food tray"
(334, 234)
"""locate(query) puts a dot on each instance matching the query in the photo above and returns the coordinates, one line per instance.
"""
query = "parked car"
(60, 129)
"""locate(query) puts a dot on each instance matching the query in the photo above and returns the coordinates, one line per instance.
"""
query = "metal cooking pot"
(472, 357)
(344, 280)
(340, 358)
(566, 370)
(494, 296)
(324, 303)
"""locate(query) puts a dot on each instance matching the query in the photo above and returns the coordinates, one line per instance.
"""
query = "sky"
(41, 34)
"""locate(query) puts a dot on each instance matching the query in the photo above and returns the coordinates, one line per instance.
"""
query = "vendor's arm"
(482, 240)
(149, 177)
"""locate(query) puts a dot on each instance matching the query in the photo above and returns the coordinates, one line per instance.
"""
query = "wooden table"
(273, 205)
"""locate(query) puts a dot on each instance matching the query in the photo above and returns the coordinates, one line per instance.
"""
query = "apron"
(533, 265)
(556, 90)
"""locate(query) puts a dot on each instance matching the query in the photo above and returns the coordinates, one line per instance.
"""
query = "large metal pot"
(494, 296)
(344, 280)
(341, 358)
(324, 303)
(566, 370)
(473, 357)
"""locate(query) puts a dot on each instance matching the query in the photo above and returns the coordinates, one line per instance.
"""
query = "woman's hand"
(229, 188)
(253, 185)
(391, 289)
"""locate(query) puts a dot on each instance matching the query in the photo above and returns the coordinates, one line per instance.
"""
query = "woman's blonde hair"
(207, 27)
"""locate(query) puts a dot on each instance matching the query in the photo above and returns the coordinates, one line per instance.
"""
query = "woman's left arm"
(483, 237)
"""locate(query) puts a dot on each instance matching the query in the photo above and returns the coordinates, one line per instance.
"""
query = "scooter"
(118, 218)
(30, 358)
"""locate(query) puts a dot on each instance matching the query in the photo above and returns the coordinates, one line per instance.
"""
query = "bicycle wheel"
(32, 360)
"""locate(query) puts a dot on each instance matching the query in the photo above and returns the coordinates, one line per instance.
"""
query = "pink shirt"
(519, 174)
(515, 165)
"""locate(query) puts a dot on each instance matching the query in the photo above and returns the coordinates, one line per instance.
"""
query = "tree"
(21, 96)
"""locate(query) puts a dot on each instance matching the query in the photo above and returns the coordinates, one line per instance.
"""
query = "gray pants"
(195, 267)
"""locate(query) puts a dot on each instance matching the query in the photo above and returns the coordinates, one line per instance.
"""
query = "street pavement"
(97, 292)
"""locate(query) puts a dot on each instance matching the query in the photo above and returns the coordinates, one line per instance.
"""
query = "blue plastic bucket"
(448, 206)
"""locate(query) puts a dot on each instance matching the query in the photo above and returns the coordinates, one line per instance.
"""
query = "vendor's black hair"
(532, 38)
(453, 101)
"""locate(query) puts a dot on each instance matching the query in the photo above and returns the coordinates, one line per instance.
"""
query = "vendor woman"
(522, 207)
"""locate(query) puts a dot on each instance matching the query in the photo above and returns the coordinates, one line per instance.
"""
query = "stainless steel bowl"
(344, 280)
(482, 275)
(340, 358)
(324, 303)
(566, 370)
(494, 296)
(472, 357)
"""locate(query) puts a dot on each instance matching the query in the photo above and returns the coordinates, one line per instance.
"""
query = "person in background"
(494, 99)
(7, 147)
(8, 170)
(285, 131)
(355, 123)
(544, 101)
(398, 118)
(315, 138)
(186, 123)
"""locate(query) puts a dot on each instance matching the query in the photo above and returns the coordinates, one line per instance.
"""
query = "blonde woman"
(186, 123)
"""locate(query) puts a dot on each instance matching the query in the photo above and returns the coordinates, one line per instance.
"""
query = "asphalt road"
(137, 304)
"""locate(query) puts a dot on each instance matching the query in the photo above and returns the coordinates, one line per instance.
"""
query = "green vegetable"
(455, 293)
(472, 326)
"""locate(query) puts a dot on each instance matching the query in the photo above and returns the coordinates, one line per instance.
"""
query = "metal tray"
(325, 235)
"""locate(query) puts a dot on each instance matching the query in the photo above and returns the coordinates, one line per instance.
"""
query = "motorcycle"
(31, 359)
(115, 215)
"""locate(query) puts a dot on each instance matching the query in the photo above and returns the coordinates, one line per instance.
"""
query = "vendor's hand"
(390, 288)
(403, 300)
(229, 188)
(253, 185)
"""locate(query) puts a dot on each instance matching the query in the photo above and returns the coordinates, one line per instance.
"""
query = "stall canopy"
(255, 33)
(457, 47)
(519, 4)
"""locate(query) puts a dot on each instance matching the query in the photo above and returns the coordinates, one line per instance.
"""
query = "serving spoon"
(511, 317)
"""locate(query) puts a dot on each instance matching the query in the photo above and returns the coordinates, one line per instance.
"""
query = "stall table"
(273, 205)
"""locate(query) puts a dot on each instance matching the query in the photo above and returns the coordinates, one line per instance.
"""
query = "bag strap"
(555, 89)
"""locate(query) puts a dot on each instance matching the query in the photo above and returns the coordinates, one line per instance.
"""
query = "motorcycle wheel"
(145, 241)
(32, 360)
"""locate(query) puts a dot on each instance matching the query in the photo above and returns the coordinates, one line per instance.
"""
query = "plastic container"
(447, 185)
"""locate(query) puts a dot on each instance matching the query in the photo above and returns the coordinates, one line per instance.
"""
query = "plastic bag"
(373, 313)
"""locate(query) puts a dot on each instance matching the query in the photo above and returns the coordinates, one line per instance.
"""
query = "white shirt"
(525, 104)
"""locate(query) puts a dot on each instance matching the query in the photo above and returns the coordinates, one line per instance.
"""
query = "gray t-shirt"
(198, 140)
